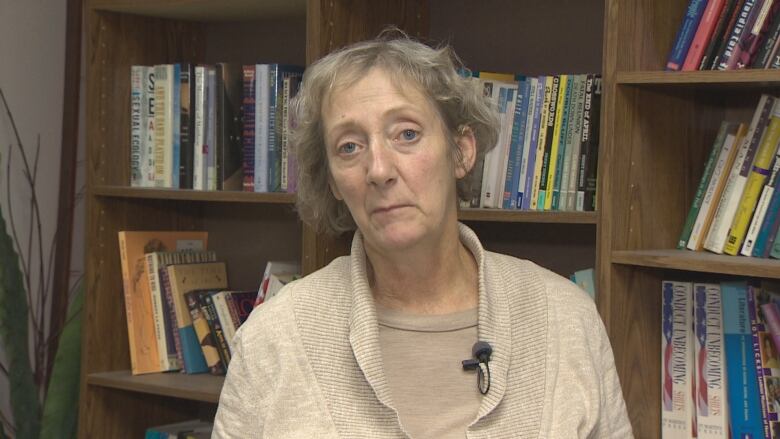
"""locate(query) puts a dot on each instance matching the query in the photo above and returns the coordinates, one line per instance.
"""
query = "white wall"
(32, 63)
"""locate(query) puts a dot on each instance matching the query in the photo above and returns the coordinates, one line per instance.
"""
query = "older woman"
(372, 345)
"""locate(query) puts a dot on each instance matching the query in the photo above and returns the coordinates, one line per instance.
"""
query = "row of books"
(736, 207)
(212, 127)
(193, 429)
(181, 313)
(727, 34)
(720, 368)
(547, 151)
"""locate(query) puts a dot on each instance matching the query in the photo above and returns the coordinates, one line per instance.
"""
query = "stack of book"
(212, 127)
(735, 209)
(181, 313)
(726, 35)
(720, 369)
(547, 150)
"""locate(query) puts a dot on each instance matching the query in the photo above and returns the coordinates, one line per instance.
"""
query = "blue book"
(516, 146)
(524, 197)
(742, 378)
(685, 34)
(194, 361)
(176, 129)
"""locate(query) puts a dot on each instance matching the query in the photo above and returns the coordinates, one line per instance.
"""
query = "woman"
(372, 345)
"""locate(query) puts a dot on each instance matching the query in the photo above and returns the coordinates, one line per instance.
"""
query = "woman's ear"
(467, 145)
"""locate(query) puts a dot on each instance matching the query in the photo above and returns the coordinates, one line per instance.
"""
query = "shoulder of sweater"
(564, 297)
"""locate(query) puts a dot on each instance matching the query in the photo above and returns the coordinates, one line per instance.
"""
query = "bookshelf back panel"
(661, 141)
(120, 41)
(253, 42)
(124, 414)
(562, 248)
(642, 32)
(520, 36)
(247, 236)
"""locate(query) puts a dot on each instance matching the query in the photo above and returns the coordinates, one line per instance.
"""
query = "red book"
(703, 34)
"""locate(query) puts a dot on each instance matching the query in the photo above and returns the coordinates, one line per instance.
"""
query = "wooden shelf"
(699, 261)
(709, 78)
(193, 195)
(524, 216)
(199, 387)
(207, 10)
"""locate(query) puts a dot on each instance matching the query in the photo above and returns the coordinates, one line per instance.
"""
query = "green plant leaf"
(60, 411)
(13, 334)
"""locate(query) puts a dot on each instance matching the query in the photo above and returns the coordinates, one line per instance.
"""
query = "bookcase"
(656, 128)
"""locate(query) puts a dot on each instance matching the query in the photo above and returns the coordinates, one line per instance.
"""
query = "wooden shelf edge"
(524, 216)
(755, 77)
(193, 195)
(205, 11)
(699, 261)
(200, 387)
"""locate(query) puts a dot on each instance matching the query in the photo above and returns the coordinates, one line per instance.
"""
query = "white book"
(712, 420)
(532, 97)
(677, 361)
(573, 157)
(163, 118)
(199, 171)
(147, 114)
(715, 186)
(732, 192)
(137, 125)
(489, 196)
(225, 318)
(262, 90)
(211, 128)
(760, 213)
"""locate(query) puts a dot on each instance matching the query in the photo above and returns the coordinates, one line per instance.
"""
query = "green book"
(725, 128)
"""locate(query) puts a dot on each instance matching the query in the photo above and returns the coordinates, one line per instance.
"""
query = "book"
(585, 279)
(275, 268)
(591, 156)
(516, 144)
(713, 46)
(187, 125)
(262, 103)
(206, 340)
(711, 407)
(163, 125)
(742, 380)
(709, 166)
(763, 56)
(729, 55)
(244, 303)
(541, 143)
(685, 34)
(173, 150)
(703, 34)
(771, 222)
(732, 191)
(572, 161)
(766, 354)
(199, 146)
(760, 216)
(530, 188)
(559, 144)
(137, 125)
(277, 74)
(148, 115)
(552, 114)
(229, 145)
(144, 352)
(185, 278)
(165, 343)
(748, 42)
(677, 361)
(248, 133)
(228, 319)
(210, 149)
(529, 143)
(207, 307)
(755, 179)
(714, 189)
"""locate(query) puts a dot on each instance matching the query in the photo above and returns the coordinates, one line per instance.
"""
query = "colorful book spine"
(206, 339)
(147, 115)
(564, 145)
(732, 191)
(711, 407)
(748, 40)
(592, 150)
(517, 188)
(162, 124)
(540, 147)
(507, 124)
(285, 132)
(516, 145)
(762, 214)
(555, 147)
(169, 310)
(728, 59)
(754, 182)
(703, 34)
(552, 113)
(714, 44)
(763, 56)
(529, 155)
(717, 180)
(758, 333)
(248, 134)
(173, 155)
(703, 184)
(685, 34)
(136, 125)
(677, 361)
(215, 325)
(771, 221)
(763, 27)
(742, 380)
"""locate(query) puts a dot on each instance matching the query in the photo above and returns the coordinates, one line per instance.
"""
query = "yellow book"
(548, 85)
(564, 82)
(755, 182)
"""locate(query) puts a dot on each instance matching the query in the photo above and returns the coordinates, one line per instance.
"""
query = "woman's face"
(390, 161)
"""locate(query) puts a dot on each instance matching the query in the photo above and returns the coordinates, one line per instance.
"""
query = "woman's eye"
(408, 135)
(348, 148)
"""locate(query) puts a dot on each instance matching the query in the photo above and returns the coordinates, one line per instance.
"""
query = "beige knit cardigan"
(307, 364)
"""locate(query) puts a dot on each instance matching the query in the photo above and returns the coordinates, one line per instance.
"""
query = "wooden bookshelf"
(656, 129)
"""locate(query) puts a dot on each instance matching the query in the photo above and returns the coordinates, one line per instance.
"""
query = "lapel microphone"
(481, 362)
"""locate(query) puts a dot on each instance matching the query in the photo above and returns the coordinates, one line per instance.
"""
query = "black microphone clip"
(481, 352)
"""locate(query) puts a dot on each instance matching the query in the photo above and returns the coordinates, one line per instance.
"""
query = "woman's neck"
(438, 279)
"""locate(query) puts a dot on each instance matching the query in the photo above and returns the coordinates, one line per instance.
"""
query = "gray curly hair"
(458, 98)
